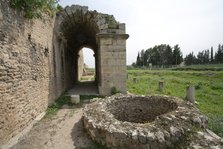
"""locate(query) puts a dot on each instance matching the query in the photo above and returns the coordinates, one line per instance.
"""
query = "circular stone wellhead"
(150, 122)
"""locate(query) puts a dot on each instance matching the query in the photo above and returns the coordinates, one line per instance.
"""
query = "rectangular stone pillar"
(113, 71)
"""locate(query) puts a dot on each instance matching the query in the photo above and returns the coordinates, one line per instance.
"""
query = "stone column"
(161, 86)
(75, 99)
(135, 80)
(190, 94)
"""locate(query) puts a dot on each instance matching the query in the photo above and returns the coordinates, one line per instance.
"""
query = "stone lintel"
(125, 36)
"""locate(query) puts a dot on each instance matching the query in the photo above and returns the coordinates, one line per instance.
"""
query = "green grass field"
(208, 85)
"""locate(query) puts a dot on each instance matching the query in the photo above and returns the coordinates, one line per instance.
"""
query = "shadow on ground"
(80, 137)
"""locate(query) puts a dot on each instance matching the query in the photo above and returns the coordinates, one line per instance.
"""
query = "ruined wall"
(26, 70)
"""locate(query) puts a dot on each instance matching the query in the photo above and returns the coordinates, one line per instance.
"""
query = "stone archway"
(77, 27)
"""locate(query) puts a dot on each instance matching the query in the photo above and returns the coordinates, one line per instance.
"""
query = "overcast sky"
(193, 24)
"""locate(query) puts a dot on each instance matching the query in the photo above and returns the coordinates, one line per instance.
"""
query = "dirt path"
(62, 131)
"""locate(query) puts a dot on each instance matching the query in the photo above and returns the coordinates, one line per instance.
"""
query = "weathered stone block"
(75, 99)
(107, 41)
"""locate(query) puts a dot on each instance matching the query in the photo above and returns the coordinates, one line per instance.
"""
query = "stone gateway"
(75, 28)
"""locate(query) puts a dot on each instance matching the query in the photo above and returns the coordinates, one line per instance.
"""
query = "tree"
(161, 50)
(219, 54)
(159, 55)
(200, 57)
(177, 55)
(190, 59)
(146, 58)
(35, 8)
(155, 56)
(168, 55)
(134, 64)
(206, 56)
(142, 58)
(212, 56)
(138, 61)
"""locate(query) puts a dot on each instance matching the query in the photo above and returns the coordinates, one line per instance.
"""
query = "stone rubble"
(181, 126)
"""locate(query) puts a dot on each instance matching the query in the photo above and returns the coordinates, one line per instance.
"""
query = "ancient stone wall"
(26, 68)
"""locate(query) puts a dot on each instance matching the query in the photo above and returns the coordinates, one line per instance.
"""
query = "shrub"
(198, 85)
(58, 104)
(35, 8)
(114, 90)
(216, 125)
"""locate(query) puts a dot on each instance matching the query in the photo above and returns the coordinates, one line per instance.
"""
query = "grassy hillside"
(208, 84)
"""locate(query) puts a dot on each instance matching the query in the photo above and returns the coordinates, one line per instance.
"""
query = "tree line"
(161, 55)
(205, 57)
(165, 56)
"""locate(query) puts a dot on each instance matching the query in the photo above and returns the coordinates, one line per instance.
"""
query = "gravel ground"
(61, 131)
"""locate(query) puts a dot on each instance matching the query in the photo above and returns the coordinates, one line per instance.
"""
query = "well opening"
(140, 109)
(130, 121)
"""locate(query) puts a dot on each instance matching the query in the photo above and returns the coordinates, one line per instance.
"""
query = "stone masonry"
(104, 35)
(25, 70)
(38, 61)
(113, 66)
(148, 122)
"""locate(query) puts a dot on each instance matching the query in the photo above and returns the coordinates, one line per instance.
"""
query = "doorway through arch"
(78, 28)
(86, 65)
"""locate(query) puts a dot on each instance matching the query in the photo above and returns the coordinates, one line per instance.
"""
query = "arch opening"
(79, 30)
(86, 65)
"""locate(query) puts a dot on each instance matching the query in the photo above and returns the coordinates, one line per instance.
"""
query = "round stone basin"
(130, 121)
(140, 109)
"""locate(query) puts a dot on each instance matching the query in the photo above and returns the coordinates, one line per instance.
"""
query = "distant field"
(210, 67)
(208, 84)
